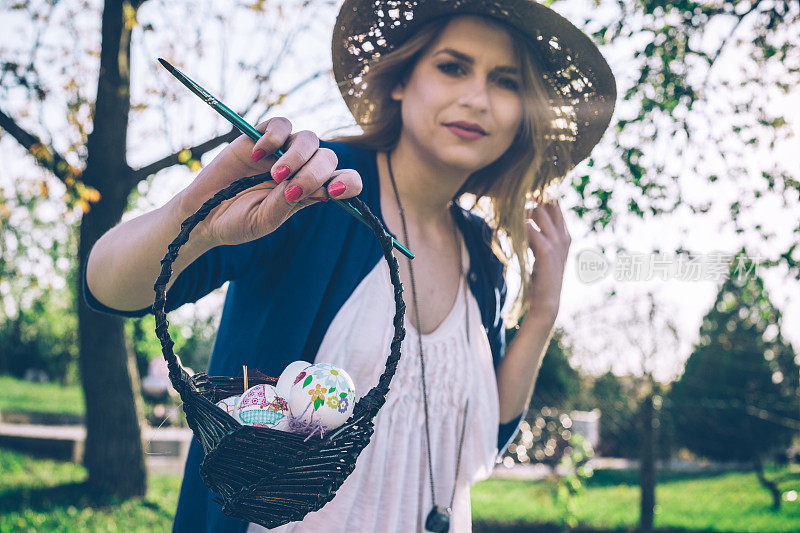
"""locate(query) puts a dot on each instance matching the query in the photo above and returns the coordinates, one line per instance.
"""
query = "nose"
(476, 95)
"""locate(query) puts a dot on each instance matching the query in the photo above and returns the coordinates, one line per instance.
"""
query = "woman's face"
(468, 74)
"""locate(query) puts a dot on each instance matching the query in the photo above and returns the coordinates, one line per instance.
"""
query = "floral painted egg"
(261, 406)
(286, 380)
(229, 404)
(322, 394)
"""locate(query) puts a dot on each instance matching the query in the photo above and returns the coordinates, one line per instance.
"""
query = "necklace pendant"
(438, 519)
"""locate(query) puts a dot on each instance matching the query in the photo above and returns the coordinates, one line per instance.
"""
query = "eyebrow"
(469, 60)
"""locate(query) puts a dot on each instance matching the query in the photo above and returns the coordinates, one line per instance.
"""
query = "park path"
(166, 447)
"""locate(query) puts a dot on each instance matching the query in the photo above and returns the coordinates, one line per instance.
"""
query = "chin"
(464, 157)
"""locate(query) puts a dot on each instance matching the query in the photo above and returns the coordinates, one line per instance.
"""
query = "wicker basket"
(263, 475)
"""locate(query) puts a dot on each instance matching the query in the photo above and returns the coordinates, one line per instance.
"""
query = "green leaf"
(332, 389)
(317, 403)
(307, 381)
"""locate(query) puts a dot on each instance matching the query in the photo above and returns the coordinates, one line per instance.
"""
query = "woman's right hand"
(261, 209)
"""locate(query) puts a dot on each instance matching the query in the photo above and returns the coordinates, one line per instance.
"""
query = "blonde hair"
(519, 175)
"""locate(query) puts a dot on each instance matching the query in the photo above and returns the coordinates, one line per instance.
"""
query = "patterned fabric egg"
(261, 406)
(322, 394)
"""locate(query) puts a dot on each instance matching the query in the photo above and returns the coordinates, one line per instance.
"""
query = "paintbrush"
(254, 134)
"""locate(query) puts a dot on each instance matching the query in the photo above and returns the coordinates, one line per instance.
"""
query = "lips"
(469, 126)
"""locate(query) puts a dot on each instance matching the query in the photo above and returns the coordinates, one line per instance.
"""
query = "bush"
(42, 337)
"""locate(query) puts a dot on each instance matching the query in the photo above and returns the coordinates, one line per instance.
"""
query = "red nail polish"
(337, 188)
(280, 173)
(258, 154)
(293, 193)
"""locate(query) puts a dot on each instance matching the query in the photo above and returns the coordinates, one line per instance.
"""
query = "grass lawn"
(730, 502)
(43, 495)
(20, 395)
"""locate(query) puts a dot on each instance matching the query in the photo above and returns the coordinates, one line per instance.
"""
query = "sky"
(599, 338)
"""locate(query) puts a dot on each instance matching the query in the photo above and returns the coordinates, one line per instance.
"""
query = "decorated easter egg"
(229, 404)
(322, 394)
(261, 406)
(288, 375)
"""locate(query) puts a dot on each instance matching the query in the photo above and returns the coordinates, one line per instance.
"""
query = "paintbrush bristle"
(166, 64)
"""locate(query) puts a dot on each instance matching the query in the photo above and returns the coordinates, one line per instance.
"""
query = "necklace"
(438, 519)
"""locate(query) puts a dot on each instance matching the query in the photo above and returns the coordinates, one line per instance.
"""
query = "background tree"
(635, 336)
(738, 397)
(645, 336)
(615, 398)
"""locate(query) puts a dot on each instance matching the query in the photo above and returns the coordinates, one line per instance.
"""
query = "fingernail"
(293, 193)
(258, 154)
(337, 188)
(280, 173)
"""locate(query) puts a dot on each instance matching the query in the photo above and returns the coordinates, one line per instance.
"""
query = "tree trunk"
(771, 486)
(113, 455)
(647, 466)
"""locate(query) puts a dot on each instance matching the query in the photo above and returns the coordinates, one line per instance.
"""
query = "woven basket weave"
(263, 475)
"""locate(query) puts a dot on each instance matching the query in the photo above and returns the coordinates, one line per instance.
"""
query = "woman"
(312, 284)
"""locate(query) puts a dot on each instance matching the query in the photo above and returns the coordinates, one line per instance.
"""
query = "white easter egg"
(229, 404)
(260, 406)
(286, 380)
(322, 394)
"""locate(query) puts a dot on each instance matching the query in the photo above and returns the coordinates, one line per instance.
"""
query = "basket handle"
(370, 403)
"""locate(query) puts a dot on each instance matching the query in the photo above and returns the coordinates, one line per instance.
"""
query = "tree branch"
(726, 40)
(196, 152)
(45, 156)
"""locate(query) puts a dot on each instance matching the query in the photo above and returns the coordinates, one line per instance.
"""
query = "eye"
(447, 68)
(509, 83)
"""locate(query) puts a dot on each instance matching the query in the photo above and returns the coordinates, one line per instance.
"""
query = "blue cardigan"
(285, 289)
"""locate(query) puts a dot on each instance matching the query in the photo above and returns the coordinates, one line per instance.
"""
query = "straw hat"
(582, 86)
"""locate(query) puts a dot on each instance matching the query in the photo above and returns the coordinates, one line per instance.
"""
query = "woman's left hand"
(550, 247)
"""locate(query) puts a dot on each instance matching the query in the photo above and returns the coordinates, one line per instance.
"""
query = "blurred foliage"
(558, 384)
(738, 398)
(700, 86)
(42, 337)
(573, 483)
(618, 398)
(193, 338)
(551, 441)
(38, 321)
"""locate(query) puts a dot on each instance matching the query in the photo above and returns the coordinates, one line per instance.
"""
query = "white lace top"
(389, 489)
